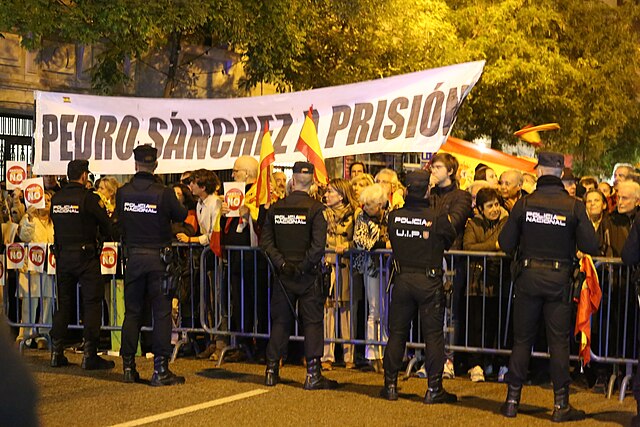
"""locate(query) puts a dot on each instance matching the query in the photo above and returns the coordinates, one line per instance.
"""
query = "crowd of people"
(357, 208)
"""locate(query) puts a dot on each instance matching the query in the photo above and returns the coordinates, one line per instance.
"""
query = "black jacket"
(457, 204)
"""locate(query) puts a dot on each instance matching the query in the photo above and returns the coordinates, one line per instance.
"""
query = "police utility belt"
(429, 272)
(545, 264)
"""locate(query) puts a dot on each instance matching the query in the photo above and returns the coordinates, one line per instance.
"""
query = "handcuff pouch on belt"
(173, 271)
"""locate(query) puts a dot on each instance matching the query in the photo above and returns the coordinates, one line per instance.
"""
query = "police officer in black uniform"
(419, 236)
(145, 209)
(294, 237)
(545, 227)
(77, 213)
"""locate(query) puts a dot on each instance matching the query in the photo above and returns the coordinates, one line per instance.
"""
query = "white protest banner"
(37, 257)
(51, 261)
(33, 190)
(15, 255)
(407, 113)
(16, 173)
(234, 197)
(109, 258)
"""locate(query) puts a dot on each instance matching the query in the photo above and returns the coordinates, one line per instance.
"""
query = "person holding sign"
(77, 216)
(145, 209)
(36, 226)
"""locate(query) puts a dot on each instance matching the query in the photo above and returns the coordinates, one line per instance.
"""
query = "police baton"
(284, 291)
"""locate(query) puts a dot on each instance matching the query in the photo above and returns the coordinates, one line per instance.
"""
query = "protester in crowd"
(569, 181)
(203, 184)
(281, 184)
(446, 197)
(359, 183)
(370, 233)
(596, 204)
(389, 180)
(243, 230)
(485, 173)
(185, 196)
(186, 177)
(107, 188)
(356, 169)
(51, 183)
(473, 189)
(589, 183)
(511, 188)
(340, 307)
(628, 193)
(481, 234)
(36, 227)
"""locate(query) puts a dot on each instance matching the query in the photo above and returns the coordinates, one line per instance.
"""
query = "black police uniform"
(145, 209)
(294, 237)
(419, 238)
(631, 256)
(545, 227)
(77, 215)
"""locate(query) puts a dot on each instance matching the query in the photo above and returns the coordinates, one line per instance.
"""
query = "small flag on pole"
(309, 145)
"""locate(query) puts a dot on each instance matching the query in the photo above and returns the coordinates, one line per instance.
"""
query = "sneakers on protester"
(501, 373)
(449, 372)
(476, 374)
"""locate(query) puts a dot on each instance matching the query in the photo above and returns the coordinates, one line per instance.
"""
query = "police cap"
(417, 182)
(550, 159)
(303, 167)
(145, 154)
(76, 168)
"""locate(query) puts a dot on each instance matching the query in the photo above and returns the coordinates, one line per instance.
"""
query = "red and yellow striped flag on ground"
(309, 145)
(267, 158)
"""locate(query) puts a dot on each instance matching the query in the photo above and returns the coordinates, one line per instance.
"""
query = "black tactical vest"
(69, 217)
(548, 227)
(414, 240)
(292, 231)
(141, 217)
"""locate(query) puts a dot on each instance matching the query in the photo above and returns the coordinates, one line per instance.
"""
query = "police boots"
(437, 394)
(272, 373)
(131, 375)
(161, 373)
(510, 407)
(58, 358)
(562, 411)
(390, 390)
(315, 380)
(91, 361)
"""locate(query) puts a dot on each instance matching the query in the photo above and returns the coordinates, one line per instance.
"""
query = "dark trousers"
(78, 266)
(143, 281)
(541, 292)
(416, 293)
(310, 310)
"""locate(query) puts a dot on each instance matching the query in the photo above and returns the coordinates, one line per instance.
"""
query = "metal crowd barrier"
(229, 298)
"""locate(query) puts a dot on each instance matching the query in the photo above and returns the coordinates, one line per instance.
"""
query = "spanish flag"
(267, 158)
(530, 133)
(590, 296)
(215, 242)
(309, 145)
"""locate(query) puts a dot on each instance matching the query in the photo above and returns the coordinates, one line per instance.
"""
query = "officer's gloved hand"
(288, 270)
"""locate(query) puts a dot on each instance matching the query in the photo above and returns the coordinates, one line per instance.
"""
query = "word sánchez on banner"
(105, 137)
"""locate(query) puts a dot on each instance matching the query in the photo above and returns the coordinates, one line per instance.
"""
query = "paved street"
(234, 395)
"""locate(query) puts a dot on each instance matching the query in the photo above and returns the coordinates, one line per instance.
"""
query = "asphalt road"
(234, 395)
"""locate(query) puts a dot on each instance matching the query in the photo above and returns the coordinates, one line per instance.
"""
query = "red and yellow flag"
(590, 296)
(267, 158)
(309, 145)
(215, 242)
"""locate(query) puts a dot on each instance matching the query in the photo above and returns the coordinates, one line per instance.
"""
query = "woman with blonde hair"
(341, 213)
(360, 182)
(107, 188)
(370, 234)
